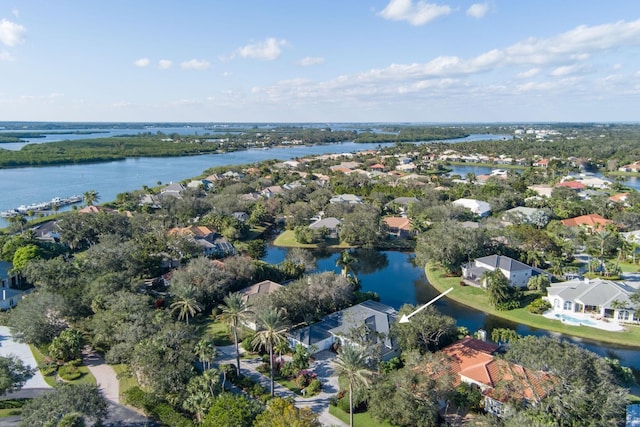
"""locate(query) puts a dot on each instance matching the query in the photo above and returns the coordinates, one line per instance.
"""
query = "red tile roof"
(591, 220)
(574, 185)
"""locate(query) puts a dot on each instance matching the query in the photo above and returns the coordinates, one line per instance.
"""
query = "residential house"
(477, 207)
(150, 200)
(399, 226)
(255, 292)
(241, 216)
(92, 209)
(200, 183)
(473, 361)
(9, 281)
(606, 299)
(172, 190)
(346, 198)
(632, 167)
(542, 163)
(620, 198)
(542, 190)
(335, 328)
(211, 243)
(592, 222)
(47, 232)
(378, 168)
(271, 191)
(573, 185)
(330, 224)
(516, 272)
(522, 214)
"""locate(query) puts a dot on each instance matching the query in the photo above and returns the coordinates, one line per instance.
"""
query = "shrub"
(314, 387)
(539, 306)
(69, 373)
(508, 305)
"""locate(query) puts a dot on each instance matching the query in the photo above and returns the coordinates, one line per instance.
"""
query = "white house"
(478, 207)
(346, 198)
(604, 298)
(9, 296)
(335, 328)
(516, 272)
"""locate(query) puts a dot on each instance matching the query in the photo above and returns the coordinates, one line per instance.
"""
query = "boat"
(54, 203)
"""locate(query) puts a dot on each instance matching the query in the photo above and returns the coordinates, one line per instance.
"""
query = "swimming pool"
(569, 319)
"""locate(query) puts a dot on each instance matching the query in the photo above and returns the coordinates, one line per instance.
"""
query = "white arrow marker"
(405, 318)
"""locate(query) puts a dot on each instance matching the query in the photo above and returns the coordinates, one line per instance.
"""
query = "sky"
(444, 61)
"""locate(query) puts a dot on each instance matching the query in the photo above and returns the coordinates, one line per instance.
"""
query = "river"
(398, 281)
(24, 186)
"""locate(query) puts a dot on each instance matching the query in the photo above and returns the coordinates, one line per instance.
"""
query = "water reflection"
(395, 278)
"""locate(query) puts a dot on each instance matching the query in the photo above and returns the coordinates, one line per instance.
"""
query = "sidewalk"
(321, 366)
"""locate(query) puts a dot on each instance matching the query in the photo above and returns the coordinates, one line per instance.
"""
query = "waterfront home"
(573, 185)
(632, 167)
(399, 226)
(473, 361)
(93, 209)
(591, 222)
(330, 224)
(172, 190)
(477, 207)
(335, 329)
(604, 299)
(516, 272)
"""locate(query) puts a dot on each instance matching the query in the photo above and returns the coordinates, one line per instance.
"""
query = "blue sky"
(320, 61)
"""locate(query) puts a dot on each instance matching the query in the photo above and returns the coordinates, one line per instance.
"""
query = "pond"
(397, 280)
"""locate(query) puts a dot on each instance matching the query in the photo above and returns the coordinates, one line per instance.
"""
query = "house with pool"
(583, 301)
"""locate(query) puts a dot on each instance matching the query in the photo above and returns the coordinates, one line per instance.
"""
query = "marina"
(51, 205)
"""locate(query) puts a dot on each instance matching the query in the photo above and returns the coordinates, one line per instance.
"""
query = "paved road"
(105, 375)
(321, 366)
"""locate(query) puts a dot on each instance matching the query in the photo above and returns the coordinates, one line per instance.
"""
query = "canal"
(395, 278)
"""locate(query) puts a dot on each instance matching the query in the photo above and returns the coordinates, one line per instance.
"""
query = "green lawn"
(360, 419)
(628, 267)
(11, 407)
(126, 381)
(287, 239)
(219, 331)
(477, 298)
(86, 378)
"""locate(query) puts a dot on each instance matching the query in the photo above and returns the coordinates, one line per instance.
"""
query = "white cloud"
(310, 60)
(142, 62)
(478, 10)
(6, 56)
(268, 49)
(416, 14)
(11, 33)
(566, 70)
(196, 64)
(529, 73)
(165, 64)
(16, 13)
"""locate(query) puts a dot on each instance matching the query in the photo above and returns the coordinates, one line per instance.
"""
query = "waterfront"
(24, 186)
(398, 281)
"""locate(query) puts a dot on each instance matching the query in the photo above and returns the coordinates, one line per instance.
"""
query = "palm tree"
(206, 351)
(345, 261)
(185, 303)
(234, 310)
(91, 197)
(351, 365)
(271, 334)
(19, 219)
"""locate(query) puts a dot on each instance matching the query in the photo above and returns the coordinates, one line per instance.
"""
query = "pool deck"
(593, 322)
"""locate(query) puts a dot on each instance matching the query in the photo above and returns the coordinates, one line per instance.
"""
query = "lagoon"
(397, 280)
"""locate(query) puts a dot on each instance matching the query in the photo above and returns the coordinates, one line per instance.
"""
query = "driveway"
(319, 404)
(8, 346)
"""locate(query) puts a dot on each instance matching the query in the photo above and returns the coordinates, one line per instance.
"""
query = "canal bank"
(477, 299)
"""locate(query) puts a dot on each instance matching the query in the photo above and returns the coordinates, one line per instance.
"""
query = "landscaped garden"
(477, 298)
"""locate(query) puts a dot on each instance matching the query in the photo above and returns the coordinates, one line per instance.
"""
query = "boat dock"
(51, 205)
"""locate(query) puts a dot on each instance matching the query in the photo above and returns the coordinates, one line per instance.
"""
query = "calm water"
(632, 182)
(398, 281)
(24, 186)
